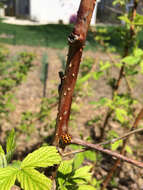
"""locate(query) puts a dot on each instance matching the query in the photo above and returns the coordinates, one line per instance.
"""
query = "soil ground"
(29, 94)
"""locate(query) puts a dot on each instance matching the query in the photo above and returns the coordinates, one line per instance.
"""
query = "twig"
(74, 152)
(107, 117)
(120, 138)
(106, 151)
(114, 10)
(105, 142)
(125, 77)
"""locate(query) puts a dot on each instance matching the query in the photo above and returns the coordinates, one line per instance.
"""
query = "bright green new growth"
(69, 178)
(25, 172)
(5, 158)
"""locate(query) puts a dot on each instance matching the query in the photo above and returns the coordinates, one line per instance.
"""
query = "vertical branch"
(121, 74)
(127, 46)
(76, 43)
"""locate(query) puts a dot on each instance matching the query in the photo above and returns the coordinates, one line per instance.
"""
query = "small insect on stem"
(66, 138)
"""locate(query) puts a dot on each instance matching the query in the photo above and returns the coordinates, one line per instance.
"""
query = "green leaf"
(3, 160)
(1, 150)
(90, 155)
(86, 187)
(7, 177)
(131, 60)
(78, 160)
(104, 66)
(115, 145)
(65, 167)
(138, 52)
(75, 147)
(138, 19)
(100, 102)
(43, 157)
(125, 19)
(82, 175)
(141, 65)
(121, 2)
(97, 75)
(83, 79)
(112, 134)
(128, 149)
(10, 145)
(120, 114)
(30, 179)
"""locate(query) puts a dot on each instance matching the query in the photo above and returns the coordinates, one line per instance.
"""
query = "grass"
(52, 35)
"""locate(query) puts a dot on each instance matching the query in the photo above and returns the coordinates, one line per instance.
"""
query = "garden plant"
(66, 162)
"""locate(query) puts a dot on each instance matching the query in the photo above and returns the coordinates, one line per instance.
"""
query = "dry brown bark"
(76, 43)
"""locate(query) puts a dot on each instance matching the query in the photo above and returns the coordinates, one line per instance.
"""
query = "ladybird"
(66, 138)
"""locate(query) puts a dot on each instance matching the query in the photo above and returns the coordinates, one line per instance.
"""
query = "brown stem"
(106, 151)
(108, 178)
(108, 115)
(76, 43)
(105, 142)
(126, 51)
(120, 138)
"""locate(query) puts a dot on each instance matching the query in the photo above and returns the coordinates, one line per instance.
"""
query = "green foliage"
(121, 105)
(10, 145)
(43, 157)
(138, 20)
(26, 123)
(31, 179)
(133, 61)
(25, 172)
(102, 38)
(46, 106)
(80, 157)
(13, 72)
(82, 87)
(29, 120)
(3, 160)
(69, 178)
(71, 174)
(86, 65)
(103, 69)
(121, 2)
(6, 158)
